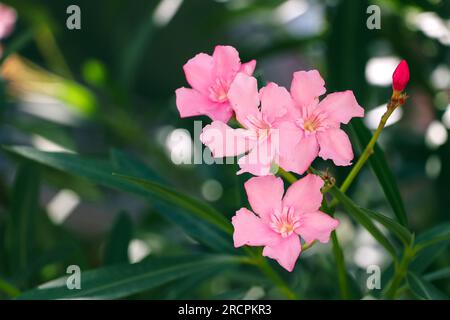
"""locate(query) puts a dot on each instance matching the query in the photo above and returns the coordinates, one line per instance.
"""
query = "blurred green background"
(109, 89)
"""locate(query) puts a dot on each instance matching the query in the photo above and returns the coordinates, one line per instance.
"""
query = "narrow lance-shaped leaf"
(382, 171)
(120, 281)
(20, 229)
(184, 210)
(422, 289)
(116, 249)
(398, 230)
(359, 215)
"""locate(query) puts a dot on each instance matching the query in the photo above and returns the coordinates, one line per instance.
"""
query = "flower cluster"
(277, 128)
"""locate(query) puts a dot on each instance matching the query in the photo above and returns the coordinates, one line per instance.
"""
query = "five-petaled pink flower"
(281, 220)
(8, 18)
(210, 78)
(259, 136)
(315, 125)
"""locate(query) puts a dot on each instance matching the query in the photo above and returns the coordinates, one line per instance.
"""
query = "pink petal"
(275, 102)
(304, 195)
(335, 145)
(244, 98)
(264, 195)
(190, 102)
(8, 17)
(225, 141)
(341, 106)
(307, 87)
(297, 157)
(250, 230)
(316, 226)
(198, 71)
(286, 251)
(219, 111)
(226, 62)
(259, 160)
(248, 68)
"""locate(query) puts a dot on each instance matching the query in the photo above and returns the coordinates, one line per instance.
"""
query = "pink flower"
(210, 78)
(400, 78)
(8, 18)
(315, 126)
(259, 137)
(279, 221)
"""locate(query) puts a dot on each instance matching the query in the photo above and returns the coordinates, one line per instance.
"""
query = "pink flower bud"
(400, 78)
(8, 18)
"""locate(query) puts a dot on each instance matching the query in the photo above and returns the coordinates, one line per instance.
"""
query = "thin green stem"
(401, 270)
(289, 177)
(341, 269)
(365, 155)
(9, 289)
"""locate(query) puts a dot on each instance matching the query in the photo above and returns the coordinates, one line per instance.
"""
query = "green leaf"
(431, 237)
(200, 209)
(173, 204)
(423, 259)
(382, 171)
(126, 164)
(422, 289)
(438, 275)
(17, 44)
(362, 218)
(116, 249)
(398, 230)
(124, 280)
(20, 229)
(209, 234)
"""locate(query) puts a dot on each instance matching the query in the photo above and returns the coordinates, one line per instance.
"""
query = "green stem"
(289, 177)
(365, 155)
(341, 270)
(9, 289)
(401, 270)
(338, 257)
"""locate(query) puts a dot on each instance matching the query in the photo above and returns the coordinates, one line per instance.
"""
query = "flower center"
(259, 126)
(218, 91)
(284, 222)
(311, 124)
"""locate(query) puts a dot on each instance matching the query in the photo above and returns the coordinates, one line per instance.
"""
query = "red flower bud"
(400, 77)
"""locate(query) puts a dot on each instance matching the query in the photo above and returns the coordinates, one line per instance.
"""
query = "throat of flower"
(218, 92)
(259, 126)
(311, 124)
(285, 221)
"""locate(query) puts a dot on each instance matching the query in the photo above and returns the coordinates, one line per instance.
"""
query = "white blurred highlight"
(446, 117)
(138, 250)
(44, 144)
(436, 134)
(432, 25)
(165, 11)
(373, 117)
(440, 78)
(379, 70)
(290, 10)
(369, 252)
(62, 205)
(433, 166)
(48, 108)
(212, 190)
(179, 144)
